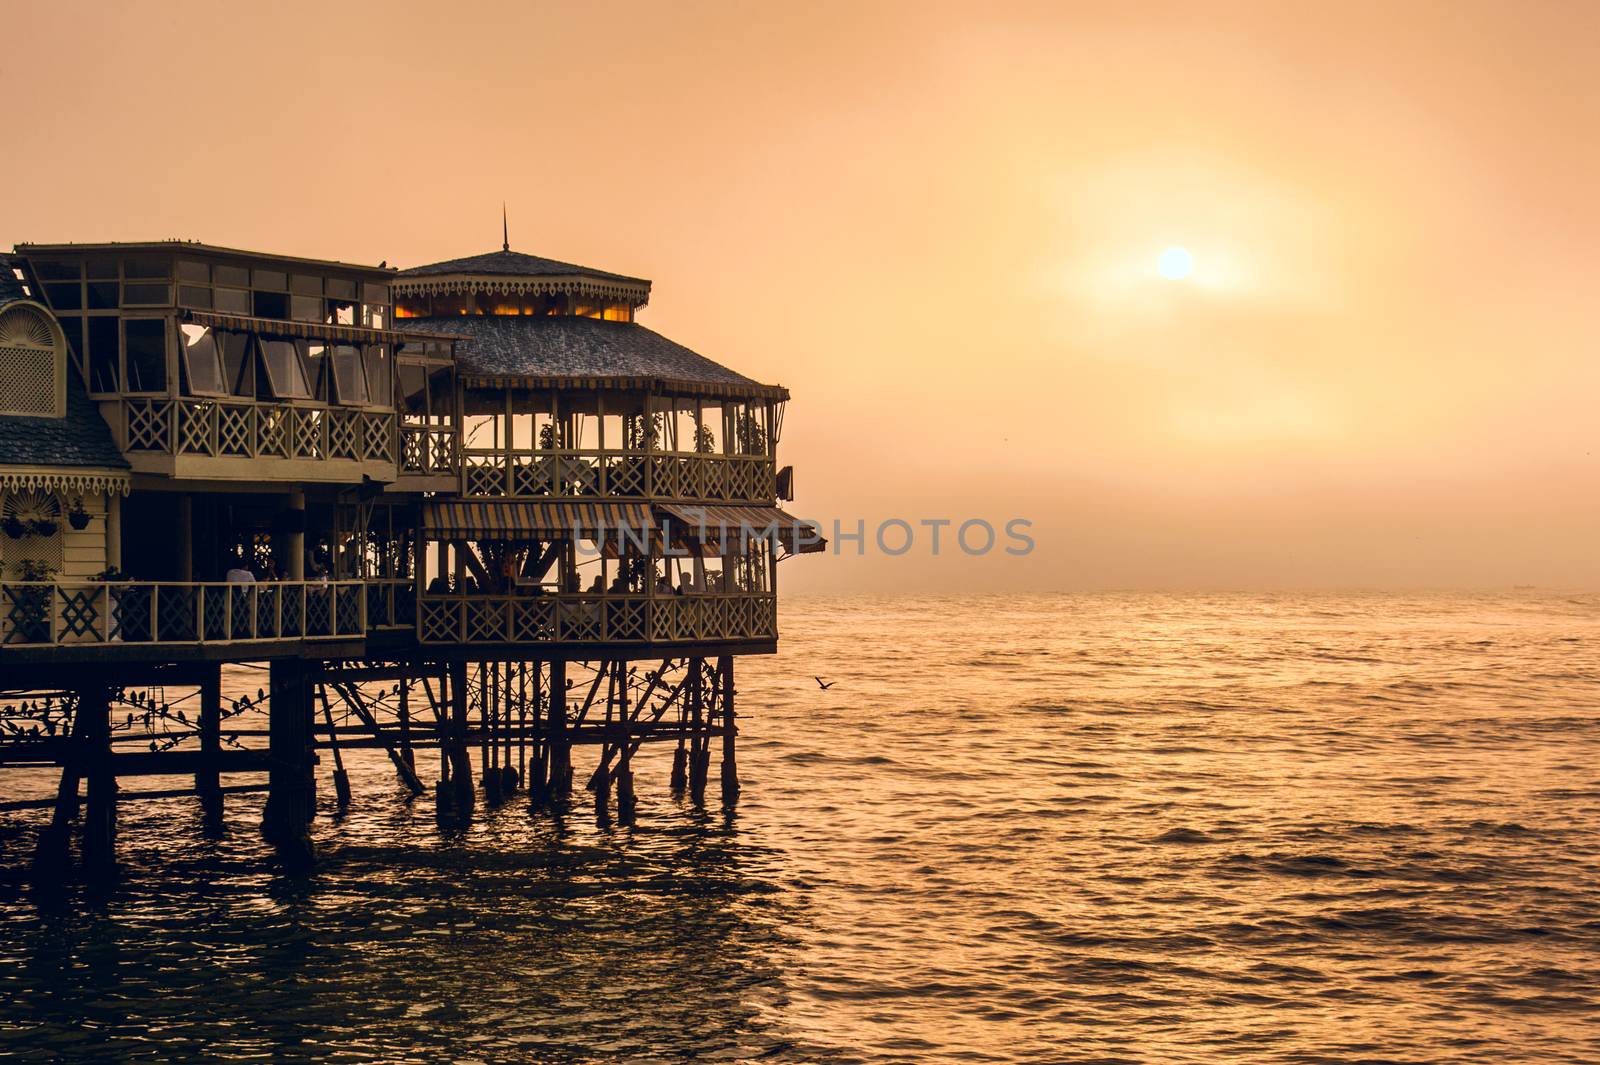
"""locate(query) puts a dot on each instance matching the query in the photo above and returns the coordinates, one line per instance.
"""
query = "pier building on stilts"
(470, 513)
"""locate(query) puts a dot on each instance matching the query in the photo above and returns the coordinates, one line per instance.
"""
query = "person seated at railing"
(686, 585)
(439, 586)
(598, 585)
(238, 572)
(663, 585)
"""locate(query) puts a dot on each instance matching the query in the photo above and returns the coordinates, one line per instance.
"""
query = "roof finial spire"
(505, 229)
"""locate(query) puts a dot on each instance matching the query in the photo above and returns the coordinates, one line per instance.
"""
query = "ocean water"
(1078, 828)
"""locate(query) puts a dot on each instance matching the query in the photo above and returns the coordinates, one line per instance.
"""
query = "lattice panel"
(532, 620)
(486, 621)
(319, 612)
(272, 429)
(376, 434)
(234, 435)
(533, 477)
(413, 451)
(485, 478)
(625, 476)
(625, 619)
(580, 620)
(579, 476)
(347, 612)
(307, 434)
(149, 426)
(341, 435)
(81, 610)
(196, 428)
(442, 452)
(438, 621)
(28, 379)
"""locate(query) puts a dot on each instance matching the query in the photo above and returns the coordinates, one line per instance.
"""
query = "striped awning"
(715, 523)
(528, 519)
(356, 334)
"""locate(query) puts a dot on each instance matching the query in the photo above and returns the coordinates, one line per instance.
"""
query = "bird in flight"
(824, 685)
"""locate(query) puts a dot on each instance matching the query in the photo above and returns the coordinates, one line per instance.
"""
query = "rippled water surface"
(1119, 828)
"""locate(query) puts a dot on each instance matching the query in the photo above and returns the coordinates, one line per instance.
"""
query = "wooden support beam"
(291, 794)
(100, 818)
(53, 853)
(730, 765)
(400, 757)
(207, 779)
(341, 779)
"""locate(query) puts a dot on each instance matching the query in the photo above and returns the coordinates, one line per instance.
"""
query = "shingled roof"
(80, 439)
(564, 348)
(512, 263)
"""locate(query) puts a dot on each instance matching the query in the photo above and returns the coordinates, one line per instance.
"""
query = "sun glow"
(1175, 264)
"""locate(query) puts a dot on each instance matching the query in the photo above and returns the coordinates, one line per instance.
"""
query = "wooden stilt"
(341, 779)
(291, 788)
(397, 754)
(100, 818)
(560, 749)
(730, 765)
(699, 742)
(54, 852)
(207, 779)
(460, 758)
(403, 713)
(624, 772)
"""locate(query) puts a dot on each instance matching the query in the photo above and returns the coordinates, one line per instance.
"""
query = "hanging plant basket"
(44, 526)
(15, 528)
(77, 517)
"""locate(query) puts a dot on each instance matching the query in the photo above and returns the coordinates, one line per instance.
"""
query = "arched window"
(33, 363)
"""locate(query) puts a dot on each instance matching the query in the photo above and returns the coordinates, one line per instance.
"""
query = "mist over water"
(1097, 828)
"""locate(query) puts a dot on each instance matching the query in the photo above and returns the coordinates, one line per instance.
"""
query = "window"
(339, 288)
(103, 295)
(104, 355)
(315, 356)
(349, 376)
(237, 363)
(414, 387)
(146, 294)
(64, 296)
(33, 364)
(194, 296)
(269, 304)
(305, 308)
(145, 351)
(305, 285)
(147, 269)
(232, 300)
(379, 378)
(194, 273)
(232, 276)
(269, 280)
(53, 270)
(286, 376)
(341, 312)
(202, 361)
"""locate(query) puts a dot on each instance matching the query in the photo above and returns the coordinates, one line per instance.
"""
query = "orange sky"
(939, 226)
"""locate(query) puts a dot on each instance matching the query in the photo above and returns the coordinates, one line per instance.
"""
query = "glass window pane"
(349, 376)
(442, 391)
(269, 280)
(379, 378)
(237, 364)
(414, 387)
(374, 293)
(65, 296)
(203, 362)
(147, 268)
(104, 295)
(285, 375)
(232, 300)
(236, 276)
(197, 272)
(72, 326)
(102, 268)
(146, 352)
(56, 270)
(315, 357)
(305, 308)
(103, 348)
(269, 305)
(305, 285)
(147, 294)
(341, 313)
(194, 296)
(340, 288)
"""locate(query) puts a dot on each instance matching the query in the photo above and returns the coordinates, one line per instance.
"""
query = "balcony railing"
(44, 613)
(641, 474)
(223, 429)
(428, 450)
(458, 619)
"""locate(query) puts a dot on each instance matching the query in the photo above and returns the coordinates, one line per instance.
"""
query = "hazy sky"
(939, 226)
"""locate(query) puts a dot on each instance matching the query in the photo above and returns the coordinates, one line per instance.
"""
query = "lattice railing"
(428, 450)
(225, 429)
(170, 612)
(595, 618)
(592, 473)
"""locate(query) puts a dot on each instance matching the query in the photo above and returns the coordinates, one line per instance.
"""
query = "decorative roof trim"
(65, 479)
(643, 383)
(310, 330)
(636, 293)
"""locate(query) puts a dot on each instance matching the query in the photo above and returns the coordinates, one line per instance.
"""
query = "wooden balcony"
(171, 614)
(596, 619)
(255, 441)
(588, 473)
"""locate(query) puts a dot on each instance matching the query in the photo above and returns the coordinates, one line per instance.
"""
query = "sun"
(1175, 264)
